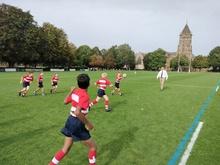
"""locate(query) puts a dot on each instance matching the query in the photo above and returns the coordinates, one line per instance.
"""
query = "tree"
(125, 57)
(200, 62)
(83, 54)
(155, 60)
(16, 39)
(96, 61)
(110, 57)
(214, 58)
(184, 62)
(56, 49)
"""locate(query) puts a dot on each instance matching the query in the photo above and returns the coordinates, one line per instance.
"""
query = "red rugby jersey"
(28, 78)
(79, 97)
(55, 78)
(103, 83)
(40, 78)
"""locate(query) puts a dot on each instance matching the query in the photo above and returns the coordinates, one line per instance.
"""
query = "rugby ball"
(124, 75)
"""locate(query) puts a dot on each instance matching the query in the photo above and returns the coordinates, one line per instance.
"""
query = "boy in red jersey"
(26, 81)
(118, 79)
(77, 126)
(40, 84)
(54, 83)
(102, 84)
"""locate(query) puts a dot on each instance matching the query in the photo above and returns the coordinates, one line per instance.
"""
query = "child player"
(26, 81)
(77, 126)
(118, 79)
(102, 84)
(54, 83)
(40, 84)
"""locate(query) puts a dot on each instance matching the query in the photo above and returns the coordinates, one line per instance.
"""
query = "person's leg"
(95, 101)
(36, 90)
(68, 141)
(161, 83)
(119, 91)
(42, 91)
(106, 103)
(92, 150)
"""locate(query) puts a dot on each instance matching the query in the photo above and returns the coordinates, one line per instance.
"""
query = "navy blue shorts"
(76, 129)
(101, 93)
(54, 84)
(117, 85)
(40, 84)
(25, 84)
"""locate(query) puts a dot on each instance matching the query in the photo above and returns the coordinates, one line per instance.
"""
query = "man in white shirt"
(162, 75)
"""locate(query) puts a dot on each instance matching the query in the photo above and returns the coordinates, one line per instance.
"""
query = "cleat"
(19, 93)
(107, 110)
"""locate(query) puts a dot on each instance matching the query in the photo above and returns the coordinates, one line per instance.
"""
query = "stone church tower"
(185, 45)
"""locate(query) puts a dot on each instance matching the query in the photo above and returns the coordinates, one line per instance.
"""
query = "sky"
(145, 25)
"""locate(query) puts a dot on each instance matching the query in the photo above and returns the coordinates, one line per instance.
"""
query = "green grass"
(144, 128)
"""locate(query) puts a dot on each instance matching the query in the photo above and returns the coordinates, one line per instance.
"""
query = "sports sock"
(94, 102)
(57, 158)
(92, 157)
(106, 104)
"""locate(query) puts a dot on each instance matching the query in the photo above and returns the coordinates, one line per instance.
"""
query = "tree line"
(23, 41)
(157, 59)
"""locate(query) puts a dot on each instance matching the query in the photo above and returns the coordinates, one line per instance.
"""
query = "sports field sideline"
(144, 128)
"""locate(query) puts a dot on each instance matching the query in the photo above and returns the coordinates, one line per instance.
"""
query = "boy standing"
(163, 76)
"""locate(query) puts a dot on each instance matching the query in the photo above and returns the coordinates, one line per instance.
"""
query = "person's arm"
(21, 79)
(68, 99)
(158, 75)
(82, 118)
(166, 76)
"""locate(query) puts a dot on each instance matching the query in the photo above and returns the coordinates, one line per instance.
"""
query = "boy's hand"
(89, 126)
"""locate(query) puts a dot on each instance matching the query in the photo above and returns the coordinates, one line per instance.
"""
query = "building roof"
(186, 30)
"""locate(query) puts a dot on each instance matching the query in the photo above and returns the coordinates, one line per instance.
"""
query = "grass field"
(144, 128)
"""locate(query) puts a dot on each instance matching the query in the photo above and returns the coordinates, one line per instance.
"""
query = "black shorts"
(40, 84)
(76, 129)
(26, 84)
(117, 84)
(101, 92)
(54, 84)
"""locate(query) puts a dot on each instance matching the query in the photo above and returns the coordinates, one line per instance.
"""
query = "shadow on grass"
(114, 147)
(118, 103)
(24, 136)
(14, 121)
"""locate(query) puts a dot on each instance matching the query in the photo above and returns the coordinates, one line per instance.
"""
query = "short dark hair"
(83, 81)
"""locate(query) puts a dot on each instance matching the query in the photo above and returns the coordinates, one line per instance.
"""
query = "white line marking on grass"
(190, 145)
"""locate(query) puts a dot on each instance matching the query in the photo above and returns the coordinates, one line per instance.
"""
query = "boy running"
(40, 84)
(54, 83)
(118, 79)
(77, 126)
(102, 84)
(26, 81)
